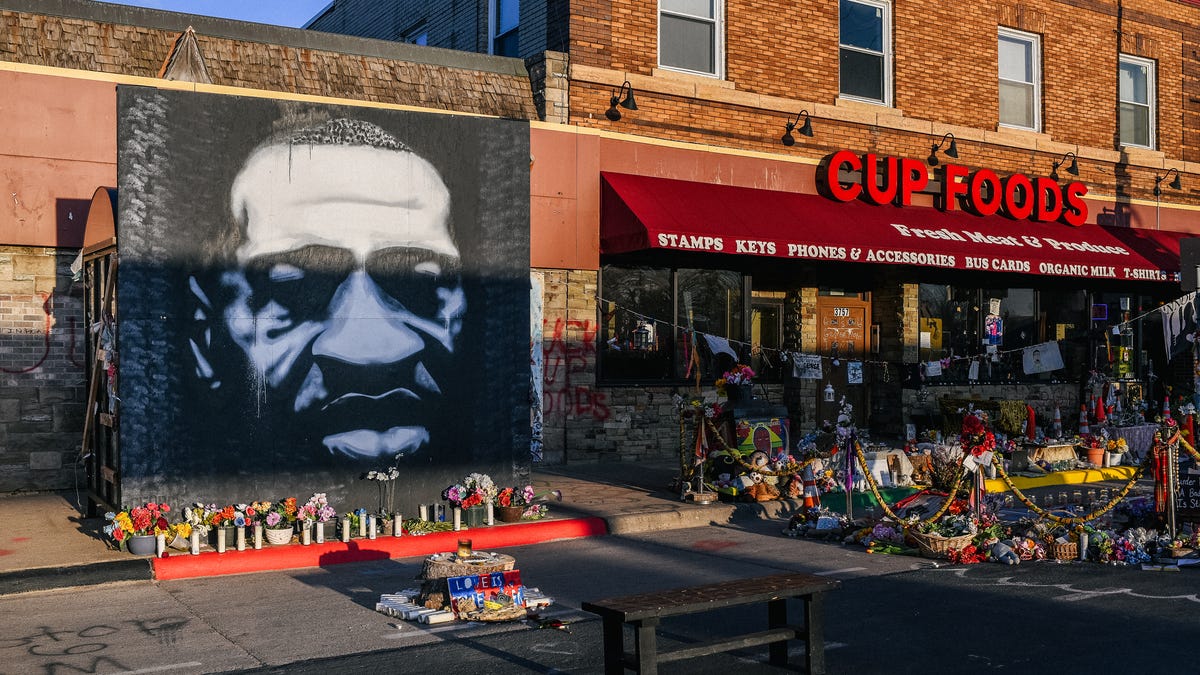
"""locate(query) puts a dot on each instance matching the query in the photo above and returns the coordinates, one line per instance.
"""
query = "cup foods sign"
(893, 180)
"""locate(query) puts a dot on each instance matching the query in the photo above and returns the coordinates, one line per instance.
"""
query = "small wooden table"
(644, 612)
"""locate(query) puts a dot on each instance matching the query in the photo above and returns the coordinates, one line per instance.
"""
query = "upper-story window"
(865, 52)
(1020, 80)
(506, 27)
(690, 34)
(1137, 101)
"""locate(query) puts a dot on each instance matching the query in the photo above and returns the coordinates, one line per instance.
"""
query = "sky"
(293, 13)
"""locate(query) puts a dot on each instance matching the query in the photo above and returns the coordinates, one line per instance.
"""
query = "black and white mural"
(311, 292)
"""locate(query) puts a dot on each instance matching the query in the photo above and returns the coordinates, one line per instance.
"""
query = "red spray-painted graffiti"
(563, 363)
(48, 319)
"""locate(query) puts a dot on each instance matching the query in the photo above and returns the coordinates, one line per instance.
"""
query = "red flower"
(162, 524)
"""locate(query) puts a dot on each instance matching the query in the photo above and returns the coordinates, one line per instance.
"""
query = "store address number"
(841, 311)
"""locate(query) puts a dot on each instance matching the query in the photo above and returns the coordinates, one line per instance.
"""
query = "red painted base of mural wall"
(210, 563)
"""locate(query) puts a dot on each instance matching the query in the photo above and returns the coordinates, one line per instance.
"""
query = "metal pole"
(1172, 472)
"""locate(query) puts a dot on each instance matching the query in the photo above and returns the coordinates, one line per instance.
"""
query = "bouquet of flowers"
(740, 374)
(528, 498)
(140, 520)
(282, 514)
(387, 489)
(976, 438)
(256, 512)
(477, 489)
(316, 509)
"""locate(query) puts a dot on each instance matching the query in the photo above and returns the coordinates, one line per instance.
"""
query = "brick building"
(1109, 92)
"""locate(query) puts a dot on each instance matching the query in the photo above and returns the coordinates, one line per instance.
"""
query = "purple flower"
(273, 519)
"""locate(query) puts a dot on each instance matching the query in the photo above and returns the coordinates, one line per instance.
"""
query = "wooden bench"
(645, 610)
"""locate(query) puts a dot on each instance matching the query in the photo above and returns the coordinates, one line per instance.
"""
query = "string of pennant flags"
(715, 342)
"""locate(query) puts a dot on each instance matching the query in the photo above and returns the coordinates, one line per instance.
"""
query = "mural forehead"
(304, 296)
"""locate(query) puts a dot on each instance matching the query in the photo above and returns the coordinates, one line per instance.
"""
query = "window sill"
(692, 78)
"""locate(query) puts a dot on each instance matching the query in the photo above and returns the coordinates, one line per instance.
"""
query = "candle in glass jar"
(195, 542)
(257, 536)
(345, 528)
(398, 525)
(241, 539)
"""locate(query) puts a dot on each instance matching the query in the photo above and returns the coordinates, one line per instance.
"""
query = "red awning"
(641, 212)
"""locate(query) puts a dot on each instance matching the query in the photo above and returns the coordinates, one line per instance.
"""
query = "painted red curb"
(293, 556)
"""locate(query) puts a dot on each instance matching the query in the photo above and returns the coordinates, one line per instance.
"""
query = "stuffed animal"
(1002, 552)
(762, 492)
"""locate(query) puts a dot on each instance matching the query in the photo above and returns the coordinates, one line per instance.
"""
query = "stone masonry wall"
(42, 394)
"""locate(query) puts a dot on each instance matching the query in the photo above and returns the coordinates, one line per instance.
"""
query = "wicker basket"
(1060, 551)
(933, 546)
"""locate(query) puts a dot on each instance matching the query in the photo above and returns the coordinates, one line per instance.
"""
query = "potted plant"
(1116, 451)
(386, 480)
(472, 495)
(135, 529)
(280, 521)
(514, 504)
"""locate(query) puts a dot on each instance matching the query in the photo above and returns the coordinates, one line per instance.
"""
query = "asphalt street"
(893, 614)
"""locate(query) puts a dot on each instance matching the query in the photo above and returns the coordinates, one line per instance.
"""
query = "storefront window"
(645, 314)
(992, 327)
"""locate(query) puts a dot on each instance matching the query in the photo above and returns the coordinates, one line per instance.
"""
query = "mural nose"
(366, 327)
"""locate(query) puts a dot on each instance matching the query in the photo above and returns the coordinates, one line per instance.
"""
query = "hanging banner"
(1041, 358)
(807, 366)
(1179, 324)
(854, 372)
(536, 366)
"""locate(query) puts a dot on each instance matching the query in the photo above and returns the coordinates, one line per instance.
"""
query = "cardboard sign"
(469, 593)
(1187, 500)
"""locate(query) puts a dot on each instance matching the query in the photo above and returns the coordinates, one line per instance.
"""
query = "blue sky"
(292, 13)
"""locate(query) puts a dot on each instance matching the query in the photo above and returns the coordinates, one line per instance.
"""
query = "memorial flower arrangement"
(150, 519)
(476, 489)
(976, 438)
(256, 512)
(282, 514)
(1118, 445)
(316, 509)
(740, 374)
(387, 488)
(528, 498)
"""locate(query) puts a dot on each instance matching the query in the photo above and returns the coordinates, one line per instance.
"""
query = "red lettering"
(1047, 200)
(1018, 197)
(833, 168)
(913, 178)
(1075, 210)
(985, 193)
(952, 186)
(874, 193)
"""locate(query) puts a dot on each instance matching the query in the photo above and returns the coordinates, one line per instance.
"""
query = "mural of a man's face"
(347, 297)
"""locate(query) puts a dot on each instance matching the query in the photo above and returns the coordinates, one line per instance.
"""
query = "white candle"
(457, 519)
(398, 525)
(371, 527)
(257, 536)
(220, 539)
(362, 525)
(320, 532)
(345, 528)
(423, 512)
(241, 539)
(160, 545)
(306, 535)
(195, 542)
(491, 515)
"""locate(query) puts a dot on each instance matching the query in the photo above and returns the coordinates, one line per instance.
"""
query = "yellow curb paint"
(1114, 473)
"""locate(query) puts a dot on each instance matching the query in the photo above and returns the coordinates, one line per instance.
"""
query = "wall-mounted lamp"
(829, 393)
(951, 151)
(621, 97)
(1175, 184)
(1072, 168)
(804, 130)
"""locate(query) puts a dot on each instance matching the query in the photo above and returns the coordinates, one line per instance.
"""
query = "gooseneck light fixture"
(1072, 168)
(804, 130)
(951, 150)
(1175, 184)
(621, 97)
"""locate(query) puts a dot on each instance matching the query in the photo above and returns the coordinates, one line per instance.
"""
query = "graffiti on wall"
(35, 346)
(350, 286)
(564, 362)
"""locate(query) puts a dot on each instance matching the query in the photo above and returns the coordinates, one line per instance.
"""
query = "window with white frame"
(690, 35)
(865, 51)
(506, 27)
(1137, 101)
(1020, 80)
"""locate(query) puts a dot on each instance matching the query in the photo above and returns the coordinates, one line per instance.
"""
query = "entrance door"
(843, 335)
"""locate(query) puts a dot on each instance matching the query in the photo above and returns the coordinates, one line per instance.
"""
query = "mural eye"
(414, 277)
(301, 282)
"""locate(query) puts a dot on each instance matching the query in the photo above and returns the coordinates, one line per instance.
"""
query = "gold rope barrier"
(862, 461)
(1073, 520)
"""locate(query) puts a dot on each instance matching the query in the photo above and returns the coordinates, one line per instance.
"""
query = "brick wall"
(41, 368)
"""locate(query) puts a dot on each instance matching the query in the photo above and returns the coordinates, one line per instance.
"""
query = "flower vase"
(1114, 459)
(279, 536)
(1096, 456)
(509, 514)
(739, 393)
(141, 544)
(476, 516)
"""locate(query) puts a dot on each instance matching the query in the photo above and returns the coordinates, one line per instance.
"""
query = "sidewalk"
(46, 543)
